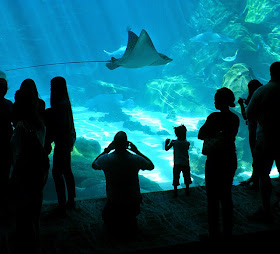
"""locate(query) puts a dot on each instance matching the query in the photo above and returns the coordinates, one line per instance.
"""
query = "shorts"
(186, 170)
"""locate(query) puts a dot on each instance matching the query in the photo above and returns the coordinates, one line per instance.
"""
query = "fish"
(140, 52)
(117, 52)
(209, 37)
(231, 58)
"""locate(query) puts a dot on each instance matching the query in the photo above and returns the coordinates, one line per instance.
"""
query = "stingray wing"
(142, 54)
(132, 41)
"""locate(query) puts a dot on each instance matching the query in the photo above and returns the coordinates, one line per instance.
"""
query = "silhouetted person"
(264, 108)
(181, 157)
(61, 131)
(29, 86)
(218, 133)
(6, 131)
(121, 169)
(253, 85)
(3, 75)
(30, 170)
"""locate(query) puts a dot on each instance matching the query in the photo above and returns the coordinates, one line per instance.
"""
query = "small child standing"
(181, 157)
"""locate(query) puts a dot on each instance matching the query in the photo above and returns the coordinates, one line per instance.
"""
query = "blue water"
(202, 37)
(37, 32)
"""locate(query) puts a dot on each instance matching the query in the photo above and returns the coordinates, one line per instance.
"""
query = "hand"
(240, 101)
(110, 147)
(132, 147)
(167, 141)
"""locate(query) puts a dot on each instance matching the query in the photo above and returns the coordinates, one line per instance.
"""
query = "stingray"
(140, 51)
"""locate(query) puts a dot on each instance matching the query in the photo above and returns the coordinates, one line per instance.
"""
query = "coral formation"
(237, 79)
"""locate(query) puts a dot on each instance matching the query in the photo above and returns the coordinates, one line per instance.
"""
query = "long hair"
(29, 85)
(253, 85)
(26, 109)
(59, 92)
(59, 97)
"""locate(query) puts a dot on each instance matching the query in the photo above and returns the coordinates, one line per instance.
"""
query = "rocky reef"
(175, 96)
(227, 43)
(207, 62)
(237, 79)
(261, 11)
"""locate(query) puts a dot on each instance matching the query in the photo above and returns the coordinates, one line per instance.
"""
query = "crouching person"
(121, 169)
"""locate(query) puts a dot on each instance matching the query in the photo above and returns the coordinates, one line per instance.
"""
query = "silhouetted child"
(181, 157)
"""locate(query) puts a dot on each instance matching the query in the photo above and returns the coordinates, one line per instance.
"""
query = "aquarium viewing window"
(204, 45)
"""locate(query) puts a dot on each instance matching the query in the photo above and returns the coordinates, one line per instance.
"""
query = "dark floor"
(165, 224)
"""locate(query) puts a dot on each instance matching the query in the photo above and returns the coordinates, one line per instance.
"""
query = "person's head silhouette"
(3, 87)
(120, 141)
(181, 132)
(224, 98)
(28, 85)
(275, 71)
(253, 85)
(59, 91)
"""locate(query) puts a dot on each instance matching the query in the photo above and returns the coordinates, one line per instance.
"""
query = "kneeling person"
(121, 169)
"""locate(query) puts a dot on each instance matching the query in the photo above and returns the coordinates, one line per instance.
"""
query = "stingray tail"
(112, 65)
(50, 64)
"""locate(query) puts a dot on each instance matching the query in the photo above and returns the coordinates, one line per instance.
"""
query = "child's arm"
(168, 144)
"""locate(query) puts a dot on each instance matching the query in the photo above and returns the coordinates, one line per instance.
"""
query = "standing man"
(265, 107)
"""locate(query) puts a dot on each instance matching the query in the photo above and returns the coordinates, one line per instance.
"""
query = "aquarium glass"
(213, 44)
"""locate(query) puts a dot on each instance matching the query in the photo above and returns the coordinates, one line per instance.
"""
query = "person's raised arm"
(134, 149)
(168, 144)
(106, 150)
(242, 107)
